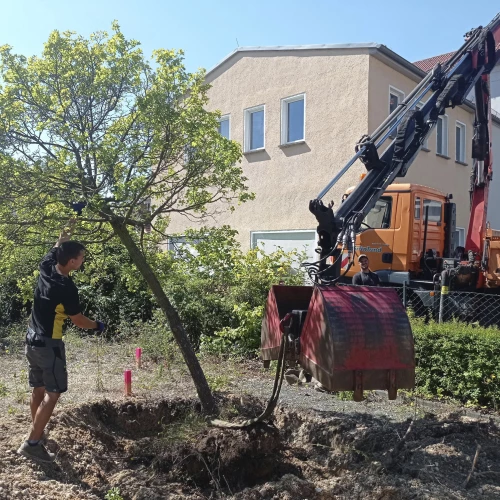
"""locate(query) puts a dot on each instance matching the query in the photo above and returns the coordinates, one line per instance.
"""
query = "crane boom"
(449, 85)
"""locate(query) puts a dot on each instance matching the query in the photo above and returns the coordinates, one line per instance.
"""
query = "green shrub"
(458, 360)
(113, 494)
(11, 305)
(220, 290)
(12, 338)
(111, 289)
(241, 340)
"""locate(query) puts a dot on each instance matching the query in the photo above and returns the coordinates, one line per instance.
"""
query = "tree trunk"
(174, 321)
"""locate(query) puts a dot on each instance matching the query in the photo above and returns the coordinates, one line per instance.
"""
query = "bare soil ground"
(156, 444)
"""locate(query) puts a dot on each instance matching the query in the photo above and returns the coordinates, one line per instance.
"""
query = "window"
(435, 209)
(460, 236)
(419, 106)
(442, 136)
(224, 126)
(379, 217)
(254, 128)
(179, 245)
(293, 119)
(460, 142)
(299, 240)
(417, 208)
(396, 97)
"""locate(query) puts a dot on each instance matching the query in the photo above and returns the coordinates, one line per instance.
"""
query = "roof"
(370, 47)
(427, 64)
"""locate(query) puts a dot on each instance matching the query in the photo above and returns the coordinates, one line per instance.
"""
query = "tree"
(92, 122)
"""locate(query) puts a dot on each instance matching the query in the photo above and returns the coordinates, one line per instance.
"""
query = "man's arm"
(82, 321)
(356, 279)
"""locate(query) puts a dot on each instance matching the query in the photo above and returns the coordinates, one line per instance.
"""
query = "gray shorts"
(47, 366)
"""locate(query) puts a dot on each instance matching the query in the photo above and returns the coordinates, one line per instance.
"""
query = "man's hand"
(66, 232)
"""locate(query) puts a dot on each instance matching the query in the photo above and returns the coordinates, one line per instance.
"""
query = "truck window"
(434, 210)
(379, 217)
(417, 208)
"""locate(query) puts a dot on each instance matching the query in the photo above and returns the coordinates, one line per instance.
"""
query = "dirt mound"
(166, 449)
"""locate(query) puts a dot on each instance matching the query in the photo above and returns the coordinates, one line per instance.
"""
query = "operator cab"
(398, 238)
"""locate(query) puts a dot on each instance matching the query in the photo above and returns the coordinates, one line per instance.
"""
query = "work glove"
(100, 326)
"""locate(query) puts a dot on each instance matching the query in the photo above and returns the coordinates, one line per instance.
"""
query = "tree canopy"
(93, 121)
(93, 125)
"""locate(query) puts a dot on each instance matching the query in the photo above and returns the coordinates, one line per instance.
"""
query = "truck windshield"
(379, 217)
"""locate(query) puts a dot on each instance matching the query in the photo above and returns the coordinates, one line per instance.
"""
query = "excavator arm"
(449, 85)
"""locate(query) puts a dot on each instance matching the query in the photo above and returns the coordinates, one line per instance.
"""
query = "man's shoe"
(37, 452)
(43, 439)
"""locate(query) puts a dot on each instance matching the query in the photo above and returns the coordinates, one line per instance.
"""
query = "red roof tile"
(427, 64)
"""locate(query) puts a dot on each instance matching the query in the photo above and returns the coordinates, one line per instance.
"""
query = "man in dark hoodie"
(55, 300)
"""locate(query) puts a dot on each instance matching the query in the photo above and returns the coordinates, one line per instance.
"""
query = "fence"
(471, 307)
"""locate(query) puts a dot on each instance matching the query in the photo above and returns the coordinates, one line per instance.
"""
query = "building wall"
(284, 179)
(428, 168)
(347, 95)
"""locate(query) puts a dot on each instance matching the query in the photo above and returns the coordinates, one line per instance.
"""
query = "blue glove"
(100, 326)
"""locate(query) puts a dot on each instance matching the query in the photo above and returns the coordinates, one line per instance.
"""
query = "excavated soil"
(165, 449)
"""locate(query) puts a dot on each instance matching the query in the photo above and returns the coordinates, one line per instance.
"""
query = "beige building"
(298, 113)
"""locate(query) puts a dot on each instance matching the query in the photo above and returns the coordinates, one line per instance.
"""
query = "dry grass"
(95, 370)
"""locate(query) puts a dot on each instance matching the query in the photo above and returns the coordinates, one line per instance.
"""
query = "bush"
(220, 291)
(458, 360)
(241, 340)
(11, 305)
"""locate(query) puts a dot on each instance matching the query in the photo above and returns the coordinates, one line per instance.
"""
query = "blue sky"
(209, 30)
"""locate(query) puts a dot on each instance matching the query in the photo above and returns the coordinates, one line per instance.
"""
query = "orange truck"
(409, 234)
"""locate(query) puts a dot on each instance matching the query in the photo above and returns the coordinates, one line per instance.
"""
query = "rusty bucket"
(352, 339)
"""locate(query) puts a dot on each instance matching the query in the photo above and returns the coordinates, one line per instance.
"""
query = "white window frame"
(401, 97)
(284, 118)
(174, 242)
(255, 234)
(461, 236)
(425, 145)
(228, 118)
(247, 129)
(463, 146)
(446, 137)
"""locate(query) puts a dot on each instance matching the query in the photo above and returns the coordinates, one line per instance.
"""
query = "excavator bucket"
(349, 338)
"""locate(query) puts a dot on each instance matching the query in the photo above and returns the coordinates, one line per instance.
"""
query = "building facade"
(298, 113)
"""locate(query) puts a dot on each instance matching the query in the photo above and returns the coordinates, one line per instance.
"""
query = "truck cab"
(399, 243)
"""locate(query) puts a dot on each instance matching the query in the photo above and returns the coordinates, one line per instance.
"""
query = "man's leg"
(43, 414)
(36, 400)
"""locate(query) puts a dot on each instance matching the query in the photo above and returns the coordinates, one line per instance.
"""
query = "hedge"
(458, 360)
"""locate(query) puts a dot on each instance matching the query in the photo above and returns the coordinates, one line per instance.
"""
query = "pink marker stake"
(128, 382)
(138, 354)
